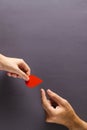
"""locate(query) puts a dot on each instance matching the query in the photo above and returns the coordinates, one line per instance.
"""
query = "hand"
(15, 67)
(58, 110)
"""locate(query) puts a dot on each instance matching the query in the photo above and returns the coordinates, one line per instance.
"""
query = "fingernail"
(42, 90)
(49, 91)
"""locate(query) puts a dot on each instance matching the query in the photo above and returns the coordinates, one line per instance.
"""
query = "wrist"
(2, 61)
(77, 124)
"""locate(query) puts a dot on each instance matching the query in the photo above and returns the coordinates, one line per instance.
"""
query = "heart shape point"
(34, 81)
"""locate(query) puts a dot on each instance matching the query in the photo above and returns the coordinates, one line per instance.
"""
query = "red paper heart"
(33, 81)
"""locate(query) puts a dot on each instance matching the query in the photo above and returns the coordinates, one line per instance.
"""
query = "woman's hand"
(15, 67)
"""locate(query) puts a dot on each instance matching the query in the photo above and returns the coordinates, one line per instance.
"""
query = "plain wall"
(51, 36)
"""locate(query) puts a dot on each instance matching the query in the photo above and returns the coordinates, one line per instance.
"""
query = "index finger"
(59, 100)
(25, 68)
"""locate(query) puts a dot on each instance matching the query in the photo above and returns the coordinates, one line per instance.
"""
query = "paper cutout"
(34, 81)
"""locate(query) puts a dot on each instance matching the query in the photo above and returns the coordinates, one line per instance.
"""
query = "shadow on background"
(54, 127)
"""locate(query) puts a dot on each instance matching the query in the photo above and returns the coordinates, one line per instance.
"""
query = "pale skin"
(62, 113)
(15, 67)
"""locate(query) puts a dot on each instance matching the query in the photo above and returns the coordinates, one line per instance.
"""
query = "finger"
(59, 100)
(25, 68)
(46, 105)
(22, 74)
(19, 77)
(12, 75)
(16, 76)
(9, 74)
(19, 74)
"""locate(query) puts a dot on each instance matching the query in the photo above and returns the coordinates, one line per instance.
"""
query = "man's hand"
(58, 110)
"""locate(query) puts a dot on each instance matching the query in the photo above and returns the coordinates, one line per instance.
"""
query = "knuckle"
(22, 60)
(65, 102)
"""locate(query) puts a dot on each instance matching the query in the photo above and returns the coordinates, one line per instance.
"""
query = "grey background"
(51, 36)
